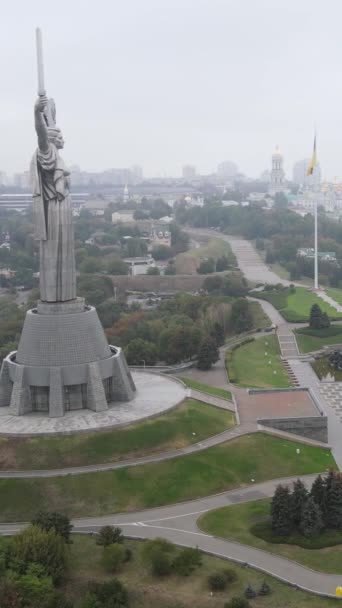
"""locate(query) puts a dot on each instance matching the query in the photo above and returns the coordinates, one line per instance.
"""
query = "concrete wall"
(313, 427)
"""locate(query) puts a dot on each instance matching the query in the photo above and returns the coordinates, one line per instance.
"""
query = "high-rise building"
(188, 171)
(227, 169)
(277, 183)
(300, 177)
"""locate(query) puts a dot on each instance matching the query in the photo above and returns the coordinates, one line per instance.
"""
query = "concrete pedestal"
(64, 363)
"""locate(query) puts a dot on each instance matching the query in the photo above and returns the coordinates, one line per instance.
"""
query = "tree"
(208, 354)
(109, 535)
(299, 498)
(135, 248)
(318, 319)
(35, 588)
(333, 508)
(217, 581)
(153, 270)
(222, 263)
(40, 546)
(318, 492)
(110, 594)
(161, 252)
(281, 511)
(179, 342)
(141, 352)
(280, 200)
(311, 520)
(170, 269)
(187, 561)
(212, 284)
(217, 333)
(116, 266)
(207, 266)
(158, 553)
(91, 265)
(53, 520)
(113, 557)
(241, 319)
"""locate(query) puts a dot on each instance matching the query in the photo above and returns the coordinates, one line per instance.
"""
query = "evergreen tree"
(318, 492)
(299, 497)
(311, 521)
(207, 354)
(333, 512)
(281, 511)
(318, 319)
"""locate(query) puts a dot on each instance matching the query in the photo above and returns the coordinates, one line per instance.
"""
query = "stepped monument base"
(63, 363)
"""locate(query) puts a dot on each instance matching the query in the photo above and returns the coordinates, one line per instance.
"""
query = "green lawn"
(260, 318)
(310, 340)
(188, 262)
(335, 294)
(216, 469)
(206, 388)
(249, 366)
(299, 305)
(190, 422)
(174, 591)
(296, 306)
(236, 523)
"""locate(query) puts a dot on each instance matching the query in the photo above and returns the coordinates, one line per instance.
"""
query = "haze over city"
(164, 84)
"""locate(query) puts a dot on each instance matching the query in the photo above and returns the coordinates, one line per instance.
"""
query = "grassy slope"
(235, 522)
(212, 390)
(152, 592)
(260, 318)
(250, 366)
(301, 301)
(220, 468)
(188, 262)
(172, 430)
(335, 294)
(308, 342)
(296, 306)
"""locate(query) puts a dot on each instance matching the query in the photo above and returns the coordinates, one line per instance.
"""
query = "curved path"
(178, 523)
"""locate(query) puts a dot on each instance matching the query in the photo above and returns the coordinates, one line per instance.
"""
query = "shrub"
(264, 589)
(161, 564)
(217, 581)
(110, 594)
(43, 547)
(230, 575)
(113, 557)
(237, 602)
(108, 535)
(54, 521)
(250, 592)
(187, 561)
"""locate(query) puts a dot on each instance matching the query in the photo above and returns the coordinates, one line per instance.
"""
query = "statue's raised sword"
(49, 111)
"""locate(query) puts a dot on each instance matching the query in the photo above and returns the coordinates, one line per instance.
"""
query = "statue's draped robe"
(54, 229)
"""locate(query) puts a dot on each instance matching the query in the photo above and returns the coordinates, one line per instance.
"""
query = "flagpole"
(316, 248)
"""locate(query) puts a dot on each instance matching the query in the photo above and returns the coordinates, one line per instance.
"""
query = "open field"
(206, 388)
(190, 422)
(223, 467)
(147, 591)
(188, 262)
(309, 340)
(249, 366)
(236, 522)
(295, 307)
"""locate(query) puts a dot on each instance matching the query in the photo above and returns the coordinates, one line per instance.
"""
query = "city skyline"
(182, 83)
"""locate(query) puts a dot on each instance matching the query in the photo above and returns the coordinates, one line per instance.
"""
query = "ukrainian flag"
(313, 161)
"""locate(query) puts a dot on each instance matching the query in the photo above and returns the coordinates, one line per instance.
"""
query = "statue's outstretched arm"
(40, 124)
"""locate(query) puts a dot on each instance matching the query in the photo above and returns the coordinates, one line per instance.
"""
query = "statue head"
(56, 137)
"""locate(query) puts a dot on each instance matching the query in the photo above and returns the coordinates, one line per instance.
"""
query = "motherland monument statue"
(63, 361)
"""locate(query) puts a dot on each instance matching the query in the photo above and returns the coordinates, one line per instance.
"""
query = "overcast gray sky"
(168, 82)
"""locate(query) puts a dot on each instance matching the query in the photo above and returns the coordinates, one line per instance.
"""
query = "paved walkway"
(329, 300)
(178, 523)
(212, 400)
